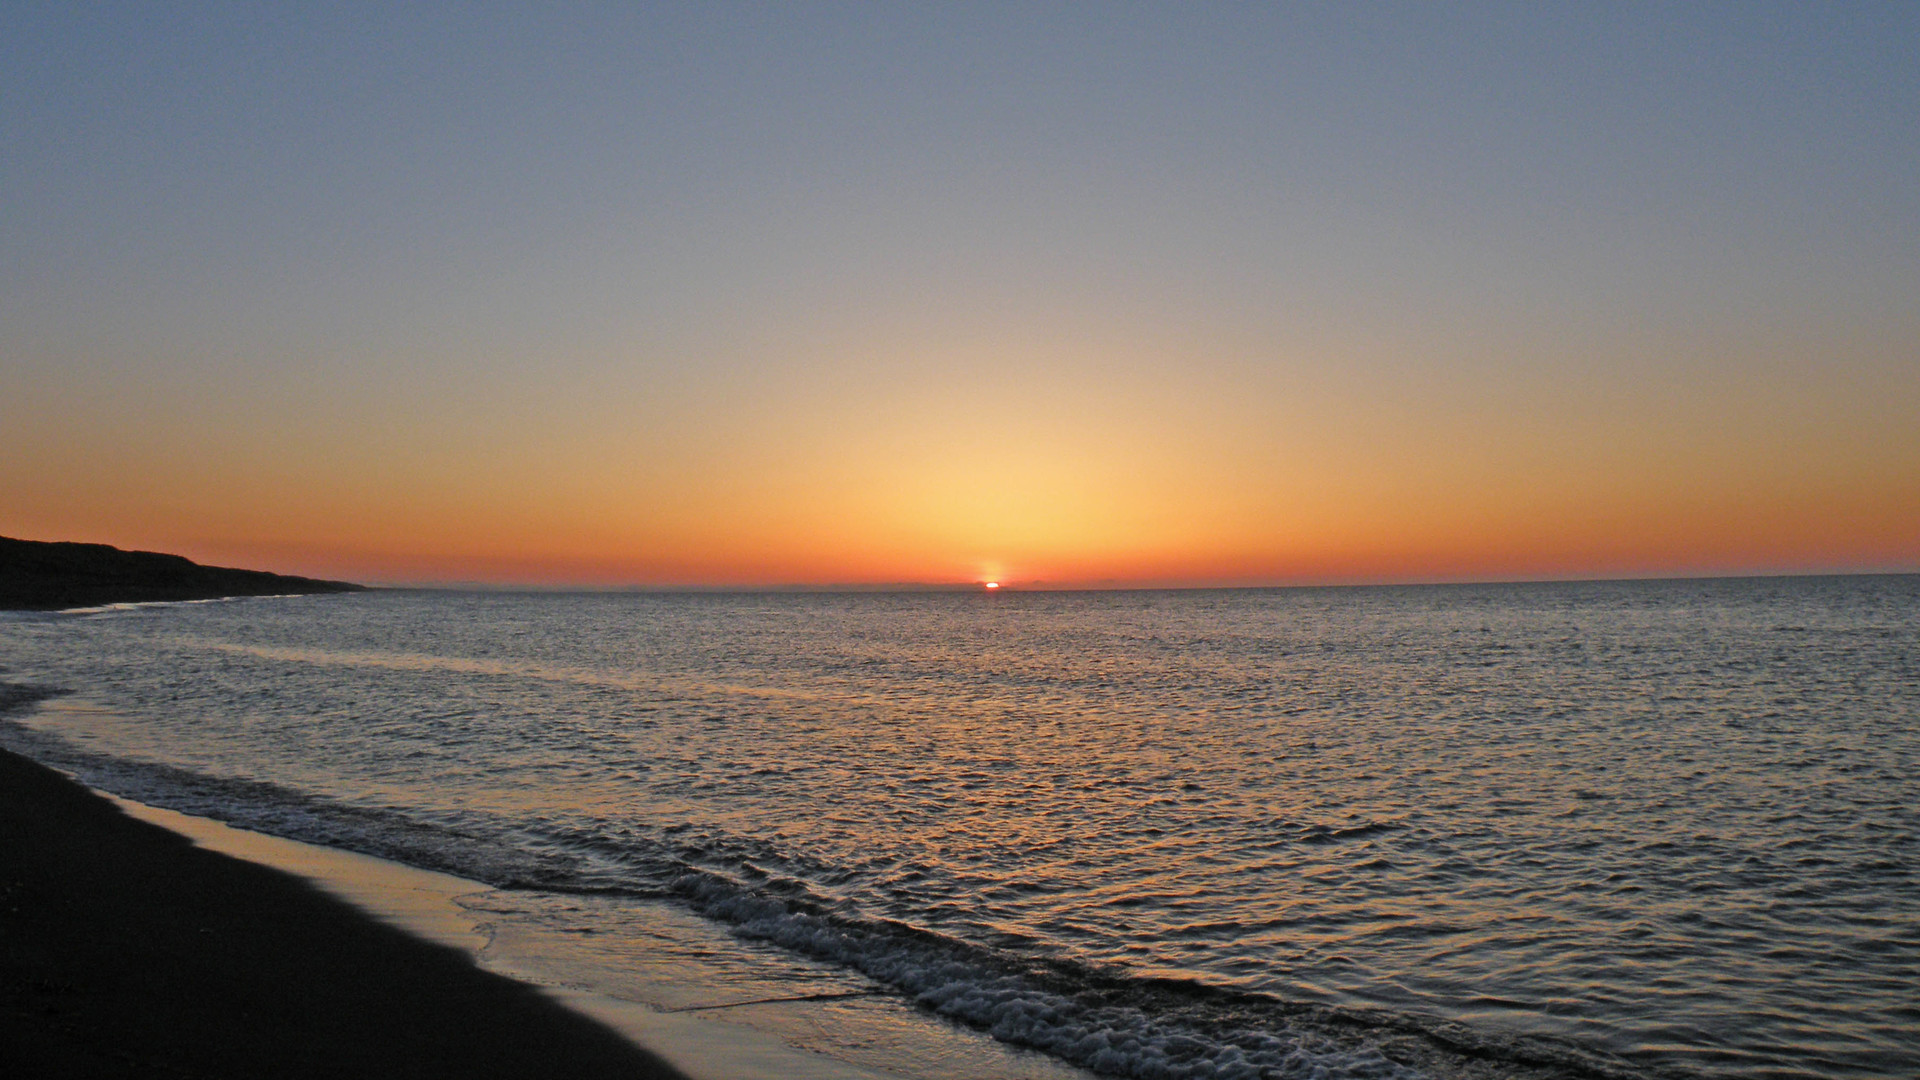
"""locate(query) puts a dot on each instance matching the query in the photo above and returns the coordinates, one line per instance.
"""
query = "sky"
(1080, 294)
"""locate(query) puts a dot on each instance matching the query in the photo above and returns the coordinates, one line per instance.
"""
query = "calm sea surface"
(1582, 829)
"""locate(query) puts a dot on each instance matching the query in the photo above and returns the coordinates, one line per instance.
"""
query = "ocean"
(1573, 829)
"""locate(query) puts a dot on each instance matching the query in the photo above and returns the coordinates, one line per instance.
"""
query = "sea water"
(1580, 829)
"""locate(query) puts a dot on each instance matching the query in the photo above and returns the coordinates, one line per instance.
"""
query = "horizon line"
(1104, 585)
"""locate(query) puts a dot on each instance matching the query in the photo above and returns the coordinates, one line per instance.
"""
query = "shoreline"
(40, 575)
(693, 1002)
(427, 905)
(675, 1014)
(130, 950)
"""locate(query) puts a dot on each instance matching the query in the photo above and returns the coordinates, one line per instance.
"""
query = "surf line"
(838, 996)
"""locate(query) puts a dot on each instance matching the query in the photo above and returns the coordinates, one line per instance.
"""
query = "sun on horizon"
(814, 298)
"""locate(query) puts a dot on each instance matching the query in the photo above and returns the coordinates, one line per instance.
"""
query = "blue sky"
(659, 229)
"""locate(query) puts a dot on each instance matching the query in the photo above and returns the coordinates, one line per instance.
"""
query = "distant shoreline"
(50, 576)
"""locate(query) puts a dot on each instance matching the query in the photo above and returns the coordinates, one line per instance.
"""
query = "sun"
(993, 584)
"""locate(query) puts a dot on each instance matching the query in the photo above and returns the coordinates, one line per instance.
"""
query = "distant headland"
(40, 576)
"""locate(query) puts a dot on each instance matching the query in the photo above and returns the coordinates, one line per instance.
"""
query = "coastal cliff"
(35, 575)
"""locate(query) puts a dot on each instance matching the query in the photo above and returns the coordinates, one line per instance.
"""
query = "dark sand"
(126, 951)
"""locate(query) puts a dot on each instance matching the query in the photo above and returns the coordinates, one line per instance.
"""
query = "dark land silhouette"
(37, 575)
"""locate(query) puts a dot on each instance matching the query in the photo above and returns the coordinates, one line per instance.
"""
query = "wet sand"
(127, 951)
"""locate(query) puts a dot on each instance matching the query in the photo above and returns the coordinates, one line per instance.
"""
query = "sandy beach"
(127, 951)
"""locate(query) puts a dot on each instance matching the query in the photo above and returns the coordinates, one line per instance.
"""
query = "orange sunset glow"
(1090, 321)
(960, 541)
